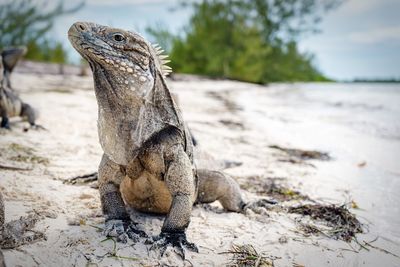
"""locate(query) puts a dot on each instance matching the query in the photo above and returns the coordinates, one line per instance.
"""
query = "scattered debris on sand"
(235, 125)
(341, 223)
(273, 187)
(247, 256)
(362, 164)
(22, 154)
(82, 179)
(224, 97)
(13, 168)
(19, 232)
(297, 155)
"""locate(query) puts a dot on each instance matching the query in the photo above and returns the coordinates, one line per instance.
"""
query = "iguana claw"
(123, 230)
(176, 240)
(260, 206)
(35, 127)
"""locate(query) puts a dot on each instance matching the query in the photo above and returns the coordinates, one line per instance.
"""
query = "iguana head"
(12, 55)
(124, 57)
(134, 101)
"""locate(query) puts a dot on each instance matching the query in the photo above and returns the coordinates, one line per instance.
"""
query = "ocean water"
(358, 124)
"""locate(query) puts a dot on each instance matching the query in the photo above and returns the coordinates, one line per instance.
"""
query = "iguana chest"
(116, 139)
(143, 187)
(146, 193)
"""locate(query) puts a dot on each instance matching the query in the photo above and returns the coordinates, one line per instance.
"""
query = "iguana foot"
(35, 127)
(122, 230)
(259, 206)
(176, 240)
(38, 127)
(6, 126)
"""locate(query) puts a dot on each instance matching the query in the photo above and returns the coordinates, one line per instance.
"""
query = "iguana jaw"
(126, 64)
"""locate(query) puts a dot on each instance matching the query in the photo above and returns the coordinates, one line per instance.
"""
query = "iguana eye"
(118, 37)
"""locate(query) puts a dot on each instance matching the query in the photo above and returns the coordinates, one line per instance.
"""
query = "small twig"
(381, 249)
(5, 167)
(96, 227)
(29, 254)
(361, 245)
(373, 240)
(351, 250)
(189, 262)
(113, 254)
(349, 244)
(123, 257)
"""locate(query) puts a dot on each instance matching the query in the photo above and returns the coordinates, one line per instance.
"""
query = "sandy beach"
(232, 121)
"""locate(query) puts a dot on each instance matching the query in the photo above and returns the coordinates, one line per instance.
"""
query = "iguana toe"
(123, 230)
(177, 240)
(134, 233)
(260, 206)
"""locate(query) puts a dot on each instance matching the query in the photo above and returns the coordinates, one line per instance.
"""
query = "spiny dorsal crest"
(163, 60)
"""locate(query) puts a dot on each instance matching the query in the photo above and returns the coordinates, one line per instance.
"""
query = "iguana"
(148, 152)
(11, 104)
(11, 56)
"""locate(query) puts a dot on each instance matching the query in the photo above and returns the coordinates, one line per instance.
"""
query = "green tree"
(253, 40)
(26, 22)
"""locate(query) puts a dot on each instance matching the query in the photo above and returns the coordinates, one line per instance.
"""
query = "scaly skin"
(2, 263)
(11, 56)
(1, 211)
(148, 152)
(10, 103)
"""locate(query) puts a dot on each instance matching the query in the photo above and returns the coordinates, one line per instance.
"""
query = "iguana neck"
(128, 115)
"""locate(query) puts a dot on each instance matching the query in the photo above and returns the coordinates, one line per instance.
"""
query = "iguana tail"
(215, 185)
(29, 113)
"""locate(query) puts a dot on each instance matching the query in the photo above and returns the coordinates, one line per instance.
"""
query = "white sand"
(68, 110)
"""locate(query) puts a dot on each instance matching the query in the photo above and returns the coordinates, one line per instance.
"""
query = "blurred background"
(254, 41)
(322, 78)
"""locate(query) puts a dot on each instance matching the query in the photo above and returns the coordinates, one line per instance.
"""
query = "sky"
(360, 39)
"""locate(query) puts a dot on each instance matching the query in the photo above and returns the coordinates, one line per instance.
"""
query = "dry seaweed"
(342, 223)
(273, 187)
(25, 154)
(82, 179)
(303, 154)
(247, 256)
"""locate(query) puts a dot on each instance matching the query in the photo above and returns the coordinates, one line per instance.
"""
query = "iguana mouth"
(86, 44)
(98, 51)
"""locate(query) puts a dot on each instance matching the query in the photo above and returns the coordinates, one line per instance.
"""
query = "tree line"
(28, 22)
(248, 40)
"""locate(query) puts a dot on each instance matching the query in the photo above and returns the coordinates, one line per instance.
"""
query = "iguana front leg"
(4, 118)
(118, 223)
(182, 183)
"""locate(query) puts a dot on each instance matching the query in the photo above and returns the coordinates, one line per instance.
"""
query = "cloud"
(377, 35)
